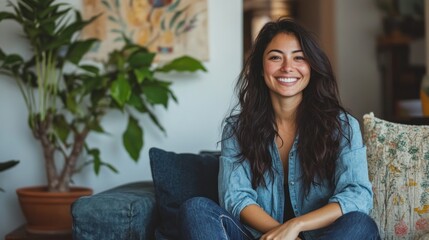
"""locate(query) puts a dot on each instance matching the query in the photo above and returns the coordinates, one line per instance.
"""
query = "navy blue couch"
(148, 210)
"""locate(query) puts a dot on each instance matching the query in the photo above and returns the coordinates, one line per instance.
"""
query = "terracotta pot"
(48, 212)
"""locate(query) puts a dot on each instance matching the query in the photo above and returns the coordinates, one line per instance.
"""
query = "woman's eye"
(300, 58)
(274, 58)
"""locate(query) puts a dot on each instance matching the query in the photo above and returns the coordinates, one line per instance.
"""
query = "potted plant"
(66, 96)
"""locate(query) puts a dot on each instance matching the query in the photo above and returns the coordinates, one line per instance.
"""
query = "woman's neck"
(285, 110)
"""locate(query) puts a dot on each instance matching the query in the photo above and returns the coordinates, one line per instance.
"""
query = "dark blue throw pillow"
(178, 177)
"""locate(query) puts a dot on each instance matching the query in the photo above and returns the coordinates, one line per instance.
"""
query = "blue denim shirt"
(352, 189)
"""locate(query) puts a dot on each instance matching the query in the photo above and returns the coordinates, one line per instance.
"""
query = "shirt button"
(292, 183)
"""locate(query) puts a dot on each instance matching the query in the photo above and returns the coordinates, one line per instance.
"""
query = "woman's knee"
(353, 225)
(196, 206)
(363, 223)
(361, 219)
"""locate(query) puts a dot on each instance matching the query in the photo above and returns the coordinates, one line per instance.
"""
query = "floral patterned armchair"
(398, 163)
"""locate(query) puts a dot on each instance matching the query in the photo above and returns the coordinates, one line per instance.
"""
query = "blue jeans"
(203, 219)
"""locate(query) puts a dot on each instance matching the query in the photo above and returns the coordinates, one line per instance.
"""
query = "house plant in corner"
(67, 96)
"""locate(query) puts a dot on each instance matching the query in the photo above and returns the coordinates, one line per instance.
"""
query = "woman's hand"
(287, 231)
(316, 219)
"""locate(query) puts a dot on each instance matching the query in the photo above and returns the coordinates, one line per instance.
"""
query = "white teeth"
(287, 80)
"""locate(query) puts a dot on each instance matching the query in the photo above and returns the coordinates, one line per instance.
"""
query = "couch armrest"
(124, 212)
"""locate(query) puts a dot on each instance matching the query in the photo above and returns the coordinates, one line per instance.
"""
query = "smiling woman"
(292, 165)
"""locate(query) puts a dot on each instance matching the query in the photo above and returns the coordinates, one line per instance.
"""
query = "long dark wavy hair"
(318, 124)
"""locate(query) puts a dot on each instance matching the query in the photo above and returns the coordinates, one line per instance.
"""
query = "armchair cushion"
(398, 163)
(178, 177)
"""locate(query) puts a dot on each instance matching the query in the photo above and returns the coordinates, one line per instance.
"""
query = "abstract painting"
(171, 28)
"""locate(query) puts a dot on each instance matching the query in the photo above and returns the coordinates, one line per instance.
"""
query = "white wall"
(191, 125)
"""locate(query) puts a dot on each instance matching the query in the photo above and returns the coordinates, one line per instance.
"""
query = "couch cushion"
(124, 212)
(178, 177)
(398, 162)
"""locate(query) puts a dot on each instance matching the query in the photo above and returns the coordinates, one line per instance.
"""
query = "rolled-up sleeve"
(353, 190)
(234, 179)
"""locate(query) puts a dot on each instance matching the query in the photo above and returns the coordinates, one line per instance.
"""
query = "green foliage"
(70, 104)
(6, 165)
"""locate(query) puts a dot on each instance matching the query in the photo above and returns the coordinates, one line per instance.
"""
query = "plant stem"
(70, 162)
(41, 132)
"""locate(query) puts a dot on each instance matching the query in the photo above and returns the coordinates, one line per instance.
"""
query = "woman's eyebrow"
(281, 52)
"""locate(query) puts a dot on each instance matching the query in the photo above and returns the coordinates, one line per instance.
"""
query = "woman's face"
(286, 71)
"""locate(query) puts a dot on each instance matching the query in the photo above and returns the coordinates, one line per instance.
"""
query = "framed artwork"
(171, 28)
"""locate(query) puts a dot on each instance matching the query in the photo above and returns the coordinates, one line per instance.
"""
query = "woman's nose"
(286, 66)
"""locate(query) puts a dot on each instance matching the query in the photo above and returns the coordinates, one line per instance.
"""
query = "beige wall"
(358, 24)
(347, 30)
(320, 19)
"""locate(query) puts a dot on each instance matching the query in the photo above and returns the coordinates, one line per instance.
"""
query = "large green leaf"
(90, 68)
(155, 120)
(142, 74)
(120, 90)
(141, 59)
(133, 138)
(95, 153)
(137, 102)
(8, 164)
(181, 64)
(50, 18)
(156, 94)
(7, 15)
(12, 59)
(96, 161)
(64, 35)
(27, 9)
(78, 49)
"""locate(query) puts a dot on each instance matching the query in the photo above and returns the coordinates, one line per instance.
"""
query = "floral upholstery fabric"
(398, 163)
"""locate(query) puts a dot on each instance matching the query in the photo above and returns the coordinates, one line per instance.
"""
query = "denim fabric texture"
(351, 226)
(177, 178)
(352, 188)
(125, 212)
(202, 218)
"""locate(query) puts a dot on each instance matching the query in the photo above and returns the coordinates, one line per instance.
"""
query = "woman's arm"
(316, 219)
(257, 218)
